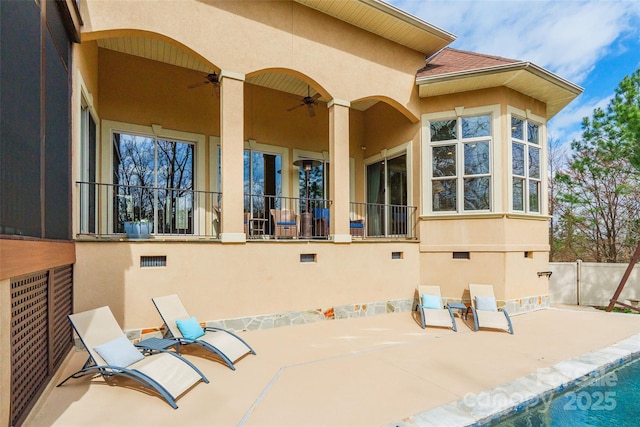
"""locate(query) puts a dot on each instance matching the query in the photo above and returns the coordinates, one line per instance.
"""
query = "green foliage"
(598, 193)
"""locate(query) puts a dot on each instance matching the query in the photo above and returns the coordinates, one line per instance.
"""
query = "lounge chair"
(431, 308)
(186, 330)
(111, 353)
(486, 313)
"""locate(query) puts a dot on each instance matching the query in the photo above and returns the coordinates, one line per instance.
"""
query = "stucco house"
(272, 162)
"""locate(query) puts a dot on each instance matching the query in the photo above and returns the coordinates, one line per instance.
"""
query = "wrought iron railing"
(112, 209)
(374, 220)
(137, 211)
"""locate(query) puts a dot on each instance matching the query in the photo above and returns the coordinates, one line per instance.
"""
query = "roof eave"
(571, 90)
(389, 9)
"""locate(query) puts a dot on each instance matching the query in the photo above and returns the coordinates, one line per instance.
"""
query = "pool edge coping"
(492, 405)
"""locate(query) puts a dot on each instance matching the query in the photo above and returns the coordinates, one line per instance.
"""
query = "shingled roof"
(450, 60)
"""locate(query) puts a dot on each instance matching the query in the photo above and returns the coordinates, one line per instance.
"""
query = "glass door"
(387, 197)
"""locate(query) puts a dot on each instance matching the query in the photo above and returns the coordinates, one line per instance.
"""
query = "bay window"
(525, 165)
(460, 156)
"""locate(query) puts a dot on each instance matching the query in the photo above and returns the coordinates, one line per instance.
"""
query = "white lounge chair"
(229, 346)
(486, 313)
(111, 353)
(431, 308)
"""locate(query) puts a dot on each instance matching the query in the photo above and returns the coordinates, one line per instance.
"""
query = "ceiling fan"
(309, 101)
(212, 78)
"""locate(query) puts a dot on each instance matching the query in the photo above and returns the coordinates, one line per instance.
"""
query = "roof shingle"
(450, 60)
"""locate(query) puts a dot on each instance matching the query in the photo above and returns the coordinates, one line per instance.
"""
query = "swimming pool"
(610, 399)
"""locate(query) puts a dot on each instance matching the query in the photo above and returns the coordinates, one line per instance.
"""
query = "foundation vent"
(461, 255)
(397, 255)
(307, 257)
(153, 261)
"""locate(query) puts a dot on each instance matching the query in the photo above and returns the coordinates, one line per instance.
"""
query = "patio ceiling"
(374, 16)
(159, 50)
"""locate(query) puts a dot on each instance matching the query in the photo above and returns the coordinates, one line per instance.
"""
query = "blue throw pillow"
(431, 301)
(190, 328)
(486, 304)
(119, 352)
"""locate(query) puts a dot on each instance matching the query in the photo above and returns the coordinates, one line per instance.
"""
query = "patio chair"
(285, 222)
(356, 227)
(186, 330)
(486, 313)
(111, 353)
(431, 308)
(321, 224)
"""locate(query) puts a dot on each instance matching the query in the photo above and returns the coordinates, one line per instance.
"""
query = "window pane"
(397, 180)
(175, 178)
(518, 194)
(517, 160)
(444, 161)
(444, 195)
(534, 197)
(516, 128)
(476, 193)
(476, 158)
(443, 131)
(473, 127)
(133, 158)
(534, 163)
(532, 133)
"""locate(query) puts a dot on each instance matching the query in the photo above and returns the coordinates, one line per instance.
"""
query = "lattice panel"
(62, 298)
(29, 343)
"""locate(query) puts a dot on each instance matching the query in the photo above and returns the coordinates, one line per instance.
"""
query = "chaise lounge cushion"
(431, 301)
(486, 304)
(119, 352)
(190, 328)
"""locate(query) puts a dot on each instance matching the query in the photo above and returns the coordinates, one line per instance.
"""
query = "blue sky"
(593, 43)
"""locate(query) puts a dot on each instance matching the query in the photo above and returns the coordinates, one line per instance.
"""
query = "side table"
(464, 310)
(150, 345)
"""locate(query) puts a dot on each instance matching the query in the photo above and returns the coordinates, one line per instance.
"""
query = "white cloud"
(566, 37)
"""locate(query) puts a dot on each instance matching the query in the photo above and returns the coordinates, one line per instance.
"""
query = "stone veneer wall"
(267, 321)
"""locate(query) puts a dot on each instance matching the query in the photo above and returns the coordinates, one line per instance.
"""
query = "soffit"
(522, 77)
(159, 50)
(386, 21)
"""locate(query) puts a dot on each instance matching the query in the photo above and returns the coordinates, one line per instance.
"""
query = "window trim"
(494, 159)
(110, 127)
(527, 116)
(392, 153)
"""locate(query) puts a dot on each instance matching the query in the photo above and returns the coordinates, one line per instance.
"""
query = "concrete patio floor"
(368, 371)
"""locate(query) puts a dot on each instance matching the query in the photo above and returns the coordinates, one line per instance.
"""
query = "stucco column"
(339, 170)
(231, 149)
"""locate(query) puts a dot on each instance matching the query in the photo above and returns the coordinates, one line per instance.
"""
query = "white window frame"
(391, 153)
(157, 132)
(526, 116)
(493, 111)
(86, 111)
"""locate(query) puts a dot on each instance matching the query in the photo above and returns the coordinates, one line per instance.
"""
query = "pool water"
(612, 399)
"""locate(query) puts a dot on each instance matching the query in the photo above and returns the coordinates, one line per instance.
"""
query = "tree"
(601, 183)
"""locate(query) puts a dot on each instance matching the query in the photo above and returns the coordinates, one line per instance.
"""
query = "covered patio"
(378, 370)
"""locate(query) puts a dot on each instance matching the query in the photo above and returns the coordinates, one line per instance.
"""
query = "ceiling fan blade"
(312, 113)
(316, 97)
(198, 84)
(297, 106)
